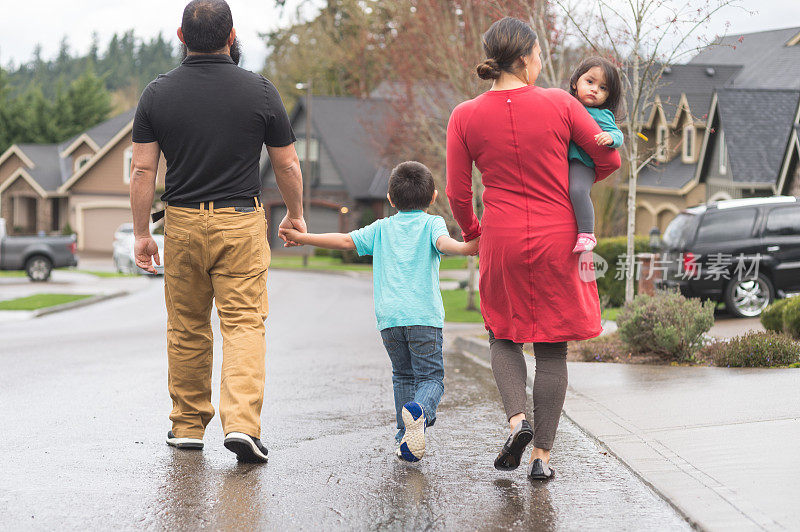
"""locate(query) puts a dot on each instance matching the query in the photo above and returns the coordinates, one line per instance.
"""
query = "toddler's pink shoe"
(586, 242)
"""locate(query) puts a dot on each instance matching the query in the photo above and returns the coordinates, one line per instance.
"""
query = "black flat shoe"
(539, 470)
(511, 455)
(247, 448)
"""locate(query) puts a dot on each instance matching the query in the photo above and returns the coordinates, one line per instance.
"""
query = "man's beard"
(236, 51)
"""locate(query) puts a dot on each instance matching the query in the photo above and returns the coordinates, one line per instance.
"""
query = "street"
(84, 406)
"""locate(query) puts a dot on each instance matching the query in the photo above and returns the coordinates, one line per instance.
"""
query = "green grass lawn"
(12, 274)
(455, 307)
(40, 301)
(611, 313)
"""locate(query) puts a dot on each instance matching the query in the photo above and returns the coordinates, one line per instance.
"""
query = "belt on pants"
(219, 204)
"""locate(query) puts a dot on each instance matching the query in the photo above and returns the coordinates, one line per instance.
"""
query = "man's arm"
(143, 185)
(286, 166)
(341, 241)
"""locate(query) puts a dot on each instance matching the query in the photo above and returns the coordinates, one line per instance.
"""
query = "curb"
(477, 351)
(29, 314)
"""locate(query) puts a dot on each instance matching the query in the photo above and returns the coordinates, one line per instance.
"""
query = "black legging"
(549, 384)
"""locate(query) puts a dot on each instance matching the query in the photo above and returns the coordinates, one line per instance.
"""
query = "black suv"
(744, 252)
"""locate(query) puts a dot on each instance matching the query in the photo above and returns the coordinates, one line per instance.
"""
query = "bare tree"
(643, 37)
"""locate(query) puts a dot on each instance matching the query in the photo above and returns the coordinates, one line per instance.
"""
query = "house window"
(689, 135)
(661, 143)
(723, 154)
(127, 159)
(313, 156)
(82, 160)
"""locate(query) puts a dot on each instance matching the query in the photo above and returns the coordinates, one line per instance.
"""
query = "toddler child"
(406, 250)
(596, 84)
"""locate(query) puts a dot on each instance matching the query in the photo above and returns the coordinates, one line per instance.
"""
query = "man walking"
(211, 118)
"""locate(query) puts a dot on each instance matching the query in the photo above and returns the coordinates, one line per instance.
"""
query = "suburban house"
(80, 185)
(348, 177)
(723, 126)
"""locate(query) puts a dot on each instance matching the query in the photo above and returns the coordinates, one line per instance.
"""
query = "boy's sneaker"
(585, 242)
(247, 448)
(412, 446)
(184, 443)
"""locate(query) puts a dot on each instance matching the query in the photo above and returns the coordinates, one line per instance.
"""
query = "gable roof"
(46, 169)
(672, 175)
(697, 82)
(767, 62)
(350, 130)
(104, 131)
(757, 125)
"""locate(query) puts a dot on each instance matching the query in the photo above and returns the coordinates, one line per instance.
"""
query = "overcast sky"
(47, 21)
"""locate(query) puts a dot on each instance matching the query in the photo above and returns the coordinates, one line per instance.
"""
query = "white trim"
(667, 207)
(127, 160)
(719, 196)
(683, 105)
(99, 155)
(723, 153)
(689, 157)
(704, 147)
(16, 150)
(25, 175)
(794, 144)
(79, 208)
(649, 208)
(80, 140)
(662, 146)
(85, 158)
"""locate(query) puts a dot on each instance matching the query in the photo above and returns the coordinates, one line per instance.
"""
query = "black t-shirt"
(211, 119)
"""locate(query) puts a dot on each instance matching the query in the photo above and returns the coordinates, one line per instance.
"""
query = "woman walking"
(517, 135)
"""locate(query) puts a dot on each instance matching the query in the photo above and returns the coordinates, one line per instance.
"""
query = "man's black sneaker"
(184, 443)
(247, 448)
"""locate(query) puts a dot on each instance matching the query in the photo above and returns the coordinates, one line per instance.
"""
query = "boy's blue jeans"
(417, 369)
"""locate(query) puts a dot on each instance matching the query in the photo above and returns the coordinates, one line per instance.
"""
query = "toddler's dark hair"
(613, 81)
(411, 186)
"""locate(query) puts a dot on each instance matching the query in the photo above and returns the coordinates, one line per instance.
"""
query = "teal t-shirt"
(405, 268)
(605, 119)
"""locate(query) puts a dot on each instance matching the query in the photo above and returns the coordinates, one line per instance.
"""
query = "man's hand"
(299, 224)
(145, 250)
(604, 139)
(471, 247)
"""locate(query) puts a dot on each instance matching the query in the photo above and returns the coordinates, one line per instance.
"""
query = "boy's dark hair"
(411, 186)
(613, 81)
(206, 25)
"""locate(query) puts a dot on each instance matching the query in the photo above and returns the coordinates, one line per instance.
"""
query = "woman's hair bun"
(489, 69)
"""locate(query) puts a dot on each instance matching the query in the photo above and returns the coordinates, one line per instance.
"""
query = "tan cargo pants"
(216, 255)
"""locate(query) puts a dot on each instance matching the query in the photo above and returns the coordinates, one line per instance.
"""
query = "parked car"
(124, 260)
(744, 252)
(37, 255)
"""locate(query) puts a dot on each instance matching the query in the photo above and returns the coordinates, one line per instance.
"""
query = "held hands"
(287, 225)
(471, 247)
(145, 251)
(604, 139)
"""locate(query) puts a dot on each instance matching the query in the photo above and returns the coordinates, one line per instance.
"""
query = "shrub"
(666, 324)
(754, 350)
(772, 316)
(613, 249)
(791, 317)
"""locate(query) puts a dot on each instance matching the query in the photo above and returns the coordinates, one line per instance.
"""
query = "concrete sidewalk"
(721, 445)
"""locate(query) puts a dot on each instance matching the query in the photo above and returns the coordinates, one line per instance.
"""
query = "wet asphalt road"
(83, 416)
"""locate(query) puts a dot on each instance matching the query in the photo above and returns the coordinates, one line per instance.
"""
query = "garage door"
(320, 220)
(99, 226)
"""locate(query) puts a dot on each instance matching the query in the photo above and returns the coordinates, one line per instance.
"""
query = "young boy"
(406, 250)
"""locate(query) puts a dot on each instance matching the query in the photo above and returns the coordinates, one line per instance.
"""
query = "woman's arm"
(459, 180)
(583, 129)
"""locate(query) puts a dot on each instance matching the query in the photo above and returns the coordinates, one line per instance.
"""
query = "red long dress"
(530, 286)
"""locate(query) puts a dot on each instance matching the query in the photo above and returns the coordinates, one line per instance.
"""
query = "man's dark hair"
(411, 186)
(206, 25)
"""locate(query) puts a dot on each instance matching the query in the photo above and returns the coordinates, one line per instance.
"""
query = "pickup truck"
(37, 255)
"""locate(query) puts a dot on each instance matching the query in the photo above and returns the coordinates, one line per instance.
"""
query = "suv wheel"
(38, 268)
(746, 298)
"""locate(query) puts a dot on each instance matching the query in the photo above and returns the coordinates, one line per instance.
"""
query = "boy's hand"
(604, 139)
(290, 236)
(471, 247)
